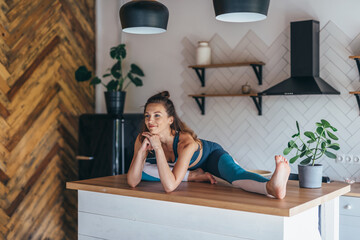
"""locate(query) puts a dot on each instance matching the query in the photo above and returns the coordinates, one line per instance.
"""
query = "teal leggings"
(220, 164)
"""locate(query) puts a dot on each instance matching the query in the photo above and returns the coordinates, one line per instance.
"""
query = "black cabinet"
(106, 143)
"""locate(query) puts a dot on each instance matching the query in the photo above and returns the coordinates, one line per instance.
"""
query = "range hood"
(304, 52)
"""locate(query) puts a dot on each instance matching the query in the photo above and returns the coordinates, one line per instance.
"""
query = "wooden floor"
(42, 42)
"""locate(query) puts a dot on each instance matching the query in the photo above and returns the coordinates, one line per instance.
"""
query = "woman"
(176, 145)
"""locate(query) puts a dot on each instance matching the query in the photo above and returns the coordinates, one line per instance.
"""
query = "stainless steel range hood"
(304, 52)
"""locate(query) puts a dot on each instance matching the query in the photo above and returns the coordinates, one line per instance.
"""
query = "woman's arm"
(137, 164)
(171, 179)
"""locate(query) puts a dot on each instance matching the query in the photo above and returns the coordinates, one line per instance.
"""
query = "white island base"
(109, 216)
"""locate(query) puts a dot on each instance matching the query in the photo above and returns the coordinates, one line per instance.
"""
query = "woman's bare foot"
(198, 175)
(277, 184)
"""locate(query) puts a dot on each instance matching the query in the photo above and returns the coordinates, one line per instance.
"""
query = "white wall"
(162, 56)
(108, 34)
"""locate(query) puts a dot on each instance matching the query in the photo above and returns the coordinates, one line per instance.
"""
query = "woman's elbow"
(170, 188)
(132, 183)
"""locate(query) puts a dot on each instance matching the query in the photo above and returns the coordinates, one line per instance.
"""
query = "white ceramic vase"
(203, 53)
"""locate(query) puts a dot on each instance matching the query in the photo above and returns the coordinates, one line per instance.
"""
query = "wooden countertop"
(296, 201)
(355, 190)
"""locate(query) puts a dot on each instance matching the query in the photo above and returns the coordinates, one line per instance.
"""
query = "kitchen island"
(109, 209)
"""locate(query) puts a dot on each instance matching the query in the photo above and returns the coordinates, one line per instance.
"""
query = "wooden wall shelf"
(200, 69)
(200, 100)
(224, 95)
(217, 65)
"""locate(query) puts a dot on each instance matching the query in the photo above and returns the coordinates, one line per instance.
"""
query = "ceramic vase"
(203, 53)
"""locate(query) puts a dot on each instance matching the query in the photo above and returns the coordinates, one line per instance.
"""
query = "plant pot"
(310, 176)
(115, 102)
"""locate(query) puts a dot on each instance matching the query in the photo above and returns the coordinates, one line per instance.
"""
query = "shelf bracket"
(358, 99)
(201, 103)
(258, 103)
(200, 72)
(258, 72)
(358, 63)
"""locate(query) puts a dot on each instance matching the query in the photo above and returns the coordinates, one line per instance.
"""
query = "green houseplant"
(315, 145)
(115, 94)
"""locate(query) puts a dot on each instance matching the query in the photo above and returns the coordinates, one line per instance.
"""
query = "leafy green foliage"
(136, 70)
(95, 81)
(112, 85)
(137, 81)
(117, 78)
(82, 74)
(118, 52)
(322, 138)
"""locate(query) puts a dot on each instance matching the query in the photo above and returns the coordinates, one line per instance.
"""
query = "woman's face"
(156, 118)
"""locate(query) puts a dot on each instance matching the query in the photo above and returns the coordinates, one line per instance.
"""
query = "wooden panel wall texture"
(42, 42)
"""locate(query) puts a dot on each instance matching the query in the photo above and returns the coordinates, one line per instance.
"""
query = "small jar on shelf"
(203, 53)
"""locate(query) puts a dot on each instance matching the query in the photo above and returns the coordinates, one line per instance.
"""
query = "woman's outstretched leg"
(221, 164)
(277, 184)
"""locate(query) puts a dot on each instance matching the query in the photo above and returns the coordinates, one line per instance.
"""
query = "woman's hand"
(154, 140)
(146, 146)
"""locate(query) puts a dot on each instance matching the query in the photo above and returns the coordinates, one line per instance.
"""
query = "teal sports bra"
(176, 141)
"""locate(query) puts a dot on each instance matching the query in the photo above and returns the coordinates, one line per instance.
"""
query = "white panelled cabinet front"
(109, 216)
(349, 218)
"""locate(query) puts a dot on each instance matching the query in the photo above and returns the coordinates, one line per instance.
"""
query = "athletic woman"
(178, 150)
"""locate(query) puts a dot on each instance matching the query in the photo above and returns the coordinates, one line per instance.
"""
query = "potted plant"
(115, 94)
(316, 144)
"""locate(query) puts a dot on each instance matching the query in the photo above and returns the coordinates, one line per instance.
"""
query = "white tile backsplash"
(234, 122)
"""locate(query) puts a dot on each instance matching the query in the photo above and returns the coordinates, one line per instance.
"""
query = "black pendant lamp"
(241, 10)
(144, 17)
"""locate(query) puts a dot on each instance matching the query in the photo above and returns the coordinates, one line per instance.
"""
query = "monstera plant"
(115, 94)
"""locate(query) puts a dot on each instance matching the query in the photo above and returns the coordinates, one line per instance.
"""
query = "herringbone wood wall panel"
(42, 42)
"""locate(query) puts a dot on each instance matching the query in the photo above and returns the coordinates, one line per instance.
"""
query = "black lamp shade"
(241, 10)
(144, 17)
